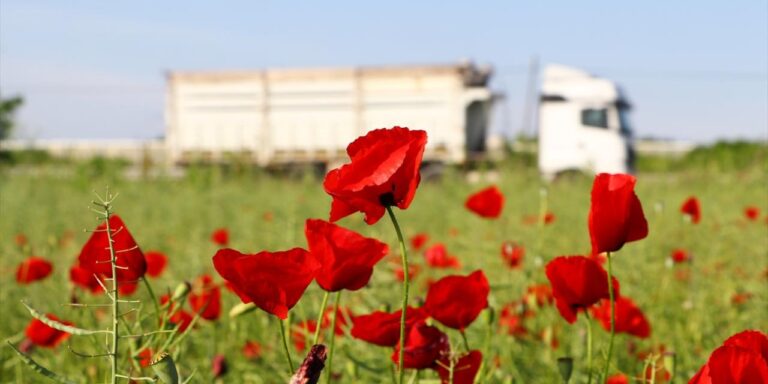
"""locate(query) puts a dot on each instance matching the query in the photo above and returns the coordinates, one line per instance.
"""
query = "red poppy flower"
(251, 350)
(512, 254)
(740, 298)
(437, 257)
(274, 281)
(44, 336)
(486, 203)
(541, 294)
(220, 236)
(382, 328)
(33, 269)
(95, 255)
(549, 218)
(342, 315)
(512, 317)
(618, 378)
(301, 332)
(456, 301)
(156, 262)
(743, 359)
(128, 288)
(615, 215)
(424, 345)
(680, 256)
(577, 283)
(752, 213)
(692, 208)
(413, 271)
(346, 258)
(419, 240)
(205, 298)
(219, 366)
(84, 279)
(384, 171)
(629, 318)
(179, 317)
(21, 239)
(464, 370)
(144, 357)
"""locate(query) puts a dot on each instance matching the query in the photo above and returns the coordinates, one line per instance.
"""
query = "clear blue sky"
(695, 70)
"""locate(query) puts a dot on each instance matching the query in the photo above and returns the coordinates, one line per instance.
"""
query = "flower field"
(492, 301)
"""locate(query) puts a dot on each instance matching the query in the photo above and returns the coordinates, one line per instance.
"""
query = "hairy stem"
(115, 294)
(406, 284)
(589, 348)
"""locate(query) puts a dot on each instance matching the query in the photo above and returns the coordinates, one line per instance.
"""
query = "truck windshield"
(624, 122)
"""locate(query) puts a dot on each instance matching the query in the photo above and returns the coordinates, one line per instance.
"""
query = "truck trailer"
(279, 116)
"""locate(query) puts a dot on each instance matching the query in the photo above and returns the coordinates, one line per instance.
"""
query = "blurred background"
(292, 82)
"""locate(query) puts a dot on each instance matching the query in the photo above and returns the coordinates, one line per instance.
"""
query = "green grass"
(49, 204)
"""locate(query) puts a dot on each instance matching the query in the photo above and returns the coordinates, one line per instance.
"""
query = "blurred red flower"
(84, 279)
(419, 240)
(413, 271)
(618, 378)
(44, 336)
(21, 239)
(346, 258)
(178, 316)
(752, 213)
(144, 357)
(740, 298)
(220, 236)
(549, 218)
(512, 317)
(205, 298)
(512, 253)
(629, 317)
(156, 262)
(456, 301)
(33, 269)
(342, 315)
(615, 214)
(95, 255)
(692, 208)
(382, 328)
(437, 257)
(577, 283)
(464, 370)
(384, 171)
(274, 281)
(301, 332)
(540, 293)
(424, 345)
(680, 256)
(251, 350)
(742, 359)
(487, 203)
(219, 366)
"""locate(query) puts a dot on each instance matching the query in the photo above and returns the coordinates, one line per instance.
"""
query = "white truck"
(583, 124)
(310, 115)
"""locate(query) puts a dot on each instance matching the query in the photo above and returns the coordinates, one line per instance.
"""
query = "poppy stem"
(283, 337)
(320, 317)
(464, 338)
(329, 372)
(589, 347)
(406, 283)
(153, 297)
(613, 319)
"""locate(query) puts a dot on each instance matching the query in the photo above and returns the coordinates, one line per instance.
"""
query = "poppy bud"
(565, 366)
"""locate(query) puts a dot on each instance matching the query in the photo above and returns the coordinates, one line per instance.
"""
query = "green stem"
(464, 339)
(406, 286)
(320, 317)
(329, 372)
(152, 296)
(613, 320)
(589, 347)
(115, 293)
(284, 338)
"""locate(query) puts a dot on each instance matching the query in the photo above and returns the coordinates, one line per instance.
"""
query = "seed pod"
(165, 369)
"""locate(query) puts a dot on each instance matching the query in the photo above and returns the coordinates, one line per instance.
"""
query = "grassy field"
(690, 317)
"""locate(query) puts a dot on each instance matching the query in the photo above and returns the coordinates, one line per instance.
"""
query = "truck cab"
(584, 124)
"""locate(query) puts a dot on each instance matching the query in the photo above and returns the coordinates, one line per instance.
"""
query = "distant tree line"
(8, 108)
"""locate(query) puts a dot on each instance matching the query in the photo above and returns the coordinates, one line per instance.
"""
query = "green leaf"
(61, 327)
(165, 369)
(39, 368)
